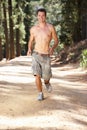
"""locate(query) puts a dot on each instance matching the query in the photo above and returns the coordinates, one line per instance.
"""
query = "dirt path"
(64, 109)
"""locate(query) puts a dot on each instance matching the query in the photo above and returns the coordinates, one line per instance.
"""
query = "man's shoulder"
(50, 26)
(33, 28)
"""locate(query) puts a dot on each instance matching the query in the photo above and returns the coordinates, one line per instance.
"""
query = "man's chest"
(46, 33)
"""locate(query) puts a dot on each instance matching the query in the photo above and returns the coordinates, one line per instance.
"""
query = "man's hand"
(51, 50)
(28, 52)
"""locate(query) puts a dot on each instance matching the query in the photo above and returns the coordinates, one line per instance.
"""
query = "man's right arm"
(30, 43)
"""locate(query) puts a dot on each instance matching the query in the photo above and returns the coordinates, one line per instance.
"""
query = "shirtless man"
(42, 34)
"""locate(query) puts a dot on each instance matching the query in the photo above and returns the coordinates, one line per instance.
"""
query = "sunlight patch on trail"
(16, 74)
(69, 84)
(44, 121)
(59, 97)
(22, 58)
(67, 72)
(16, 79)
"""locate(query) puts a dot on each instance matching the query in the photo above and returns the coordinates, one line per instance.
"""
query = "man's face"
(41, 17)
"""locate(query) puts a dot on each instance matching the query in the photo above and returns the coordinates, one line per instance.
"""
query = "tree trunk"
(18, 36)
(79, 37)
(0, 33)
(12, 54)
(17, 42)
(0, 50)
(6, 32)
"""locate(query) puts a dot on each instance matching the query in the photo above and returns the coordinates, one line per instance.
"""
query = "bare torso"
(42, 38)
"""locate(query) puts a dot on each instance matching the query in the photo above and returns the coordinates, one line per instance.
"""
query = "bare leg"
(48, 85)
(38, 83)
(39, 87)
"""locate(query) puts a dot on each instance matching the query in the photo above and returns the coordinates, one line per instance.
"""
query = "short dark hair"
(41, 10)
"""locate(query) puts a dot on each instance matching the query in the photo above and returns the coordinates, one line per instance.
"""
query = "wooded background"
(17, 16)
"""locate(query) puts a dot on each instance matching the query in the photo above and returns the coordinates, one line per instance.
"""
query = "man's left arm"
(55, 38)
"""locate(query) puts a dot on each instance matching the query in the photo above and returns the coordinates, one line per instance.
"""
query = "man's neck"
(42, 24)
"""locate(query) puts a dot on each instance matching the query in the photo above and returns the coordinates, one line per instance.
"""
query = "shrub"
(83, 59)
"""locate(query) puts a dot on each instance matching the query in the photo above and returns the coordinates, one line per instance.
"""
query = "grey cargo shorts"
(41, 65)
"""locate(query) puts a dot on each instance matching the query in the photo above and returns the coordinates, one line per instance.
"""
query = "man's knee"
(37, 76)
(46, 81)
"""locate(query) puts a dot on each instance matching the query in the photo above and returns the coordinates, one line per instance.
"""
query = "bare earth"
(63, 109)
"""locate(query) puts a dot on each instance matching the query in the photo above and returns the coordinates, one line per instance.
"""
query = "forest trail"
(63, 109)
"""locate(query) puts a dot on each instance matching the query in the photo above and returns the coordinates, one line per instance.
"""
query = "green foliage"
(69, 18)
(83, 60)
(59, 48)
(18, 18)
